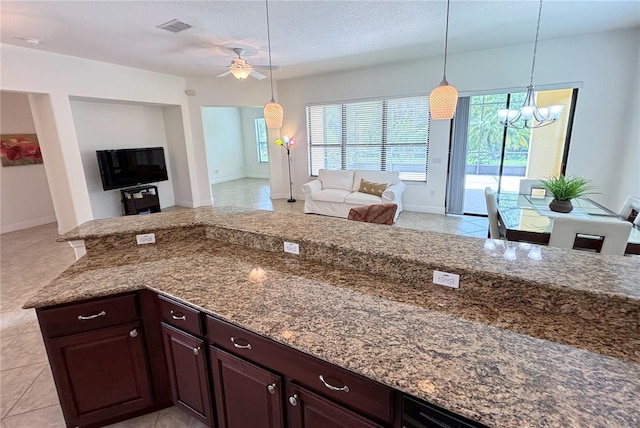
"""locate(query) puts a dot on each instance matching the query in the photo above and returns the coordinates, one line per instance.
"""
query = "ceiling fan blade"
(226, 73)
(257, 75)
(266, 67)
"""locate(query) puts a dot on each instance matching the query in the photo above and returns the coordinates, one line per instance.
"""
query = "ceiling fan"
(241, 69)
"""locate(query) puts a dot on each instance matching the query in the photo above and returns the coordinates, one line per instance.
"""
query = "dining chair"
(526, 185)
(614, 232)
(630, 209)
(496, 230)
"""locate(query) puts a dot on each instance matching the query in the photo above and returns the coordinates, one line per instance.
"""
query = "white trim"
(188, 204)
(423, 209)
(27, 224)
(230, 178)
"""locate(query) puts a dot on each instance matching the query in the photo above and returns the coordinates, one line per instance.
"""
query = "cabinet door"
(101, 374)
(187, 366)
(306, 409)
(246, 395)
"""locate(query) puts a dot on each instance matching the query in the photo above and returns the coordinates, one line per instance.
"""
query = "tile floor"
(31, 257)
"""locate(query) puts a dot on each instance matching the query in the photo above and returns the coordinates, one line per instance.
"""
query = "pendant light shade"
(443, 101)
(444, 98)
(273, 115)
(273, 112)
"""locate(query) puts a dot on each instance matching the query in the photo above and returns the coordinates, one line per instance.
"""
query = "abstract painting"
(20, 149)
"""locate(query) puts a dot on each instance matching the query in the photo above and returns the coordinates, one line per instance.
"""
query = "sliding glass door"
(486, 154)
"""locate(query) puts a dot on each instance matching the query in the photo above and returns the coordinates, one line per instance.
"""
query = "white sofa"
(334, 193)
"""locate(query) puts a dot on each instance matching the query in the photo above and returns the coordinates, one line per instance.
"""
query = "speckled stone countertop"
(490, 350)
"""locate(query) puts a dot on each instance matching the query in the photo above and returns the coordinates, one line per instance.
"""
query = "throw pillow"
(372, 188)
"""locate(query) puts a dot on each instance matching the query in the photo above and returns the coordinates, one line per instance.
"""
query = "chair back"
(526, 185)
(492, 210)
(614, 232)
(630, 210)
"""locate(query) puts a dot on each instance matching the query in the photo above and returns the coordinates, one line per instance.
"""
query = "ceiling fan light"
(240, 73)
(273, 115)
(443, 101)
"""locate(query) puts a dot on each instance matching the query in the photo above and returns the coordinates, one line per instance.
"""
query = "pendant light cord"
(535, 44)
(446, 40)
(266, 2)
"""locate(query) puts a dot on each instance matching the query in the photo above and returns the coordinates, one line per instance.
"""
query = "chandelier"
(530, 116)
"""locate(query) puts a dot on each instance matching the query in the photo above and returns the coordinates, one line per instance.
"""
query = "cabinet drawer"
(86, 316)
(181, 316)
(353, 390)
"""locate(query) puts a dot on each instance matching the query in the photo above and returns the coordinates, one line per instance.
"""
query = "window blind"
(382, 135)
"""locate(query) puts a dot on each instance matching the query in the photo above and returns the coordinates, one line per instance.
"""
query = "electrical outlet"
(447, 279)
(291, 247)
(147, 238)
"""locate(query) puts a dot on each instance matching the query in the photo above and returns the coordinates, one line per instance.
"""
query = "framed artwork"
(20, 149)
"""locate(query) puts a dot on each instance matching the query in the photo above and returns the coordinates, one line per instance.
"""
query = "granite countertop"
(532, 343)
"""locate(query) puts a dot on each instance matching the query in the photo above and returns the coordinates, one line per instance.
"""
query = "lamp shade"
(241, 73)
(443, 101)
(273, 115)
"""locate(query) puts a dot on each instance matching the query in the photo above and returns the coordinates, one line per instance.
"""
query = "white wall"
(606, 121)
(252, 167)
(223, 141)
(52, 79)
(135, 126)
(25, 199)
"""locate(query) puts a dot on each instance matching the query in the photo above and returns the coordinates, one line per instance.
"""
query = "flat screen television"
(129, 167)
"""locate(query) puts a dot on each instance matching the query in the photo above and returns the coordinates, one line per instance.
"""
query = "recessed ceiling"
(307, 37)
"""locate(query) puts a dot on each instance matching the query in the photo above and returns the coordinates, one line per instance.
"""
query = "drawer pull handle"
(196, 351)
(178, 316)
(133, 333)
(239, 346)
(271, 388)
(333, 388)
(90, 317)
(293, 400)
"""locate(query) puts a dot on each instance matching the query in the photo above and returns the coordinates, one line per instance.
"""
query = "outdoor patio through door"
(486, 154)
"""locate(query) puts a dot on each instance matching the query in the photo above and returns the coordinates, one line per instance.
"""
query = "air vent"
(174, 26)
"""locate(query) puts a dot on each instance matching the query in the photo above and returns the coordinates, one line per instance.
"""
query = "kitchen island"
(554, 342)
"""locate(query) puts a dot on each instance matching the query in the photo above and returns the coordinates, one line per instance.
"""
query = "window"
(382, 135)
(261, 140)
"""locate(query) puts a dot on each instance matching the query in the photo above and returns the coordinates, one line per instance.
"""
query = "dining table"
(527, 218)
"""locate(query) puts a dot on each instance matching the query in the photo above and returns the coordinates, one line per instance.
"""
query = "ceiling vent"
(174, 26)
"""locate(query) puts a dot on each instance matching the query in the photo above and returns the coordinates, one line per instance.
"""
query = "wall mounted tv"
(130, 167)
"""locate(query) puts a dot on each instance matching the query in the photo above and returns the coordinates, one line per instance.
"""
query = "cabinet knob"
(293, 400)
(271, 388)
(196, 351)
(133, 333)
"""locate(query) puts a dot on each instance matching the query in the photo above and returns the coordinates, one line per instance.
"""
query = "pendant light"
(444, 98)
(529, 111)
(273, 112)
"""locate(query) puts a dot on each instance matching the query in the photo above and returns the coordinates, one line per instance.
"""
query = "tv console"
(140, 200)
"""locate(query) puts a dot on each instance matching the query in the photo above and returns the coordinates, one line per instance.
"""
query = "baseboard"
(423, 209)
(27, 224)
(225, 179)
(299, 197)
(188, 204)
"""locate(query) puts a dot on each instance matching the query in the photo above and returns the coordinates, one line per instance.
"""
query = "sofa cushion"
(374, 177)
(332, 179)
(359, 198)
(330, 195)
(375, 189)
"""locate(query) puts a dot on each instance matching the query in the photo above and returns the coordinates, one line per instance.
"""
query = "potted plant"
(563, 189)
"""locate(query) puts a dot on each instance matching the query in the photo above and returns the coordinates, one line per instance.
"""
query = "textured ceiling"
(307, 37)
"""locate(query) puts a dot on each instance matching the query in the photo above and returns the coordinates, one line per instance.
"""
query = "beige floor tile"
(176, 418)
(14, 322)
(49, 417)
(42, 393)
(27, 349)
(14, 383)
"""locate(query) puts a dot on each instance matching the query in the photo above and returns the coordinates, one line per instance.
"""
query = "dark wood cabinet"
(101, 374)
(246, 395)
(306, 409)
(188, 373)
(140, 200)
